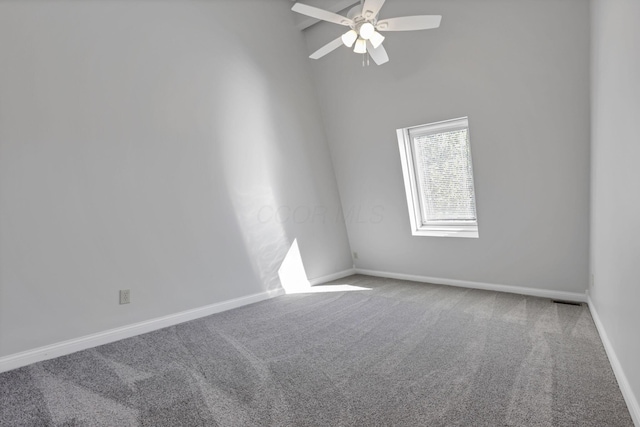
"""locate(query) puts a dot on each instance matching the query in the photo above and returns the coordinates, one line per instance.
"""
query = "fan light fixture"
(361, 46)
(349, 38)
(366, 30)
(376, 39)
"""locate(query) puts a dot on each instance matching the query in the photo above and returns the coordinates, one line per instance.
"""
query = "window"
(438, 179)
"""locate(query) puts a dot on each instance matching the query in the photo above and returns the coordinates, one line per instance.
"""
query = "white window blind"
(443, 163)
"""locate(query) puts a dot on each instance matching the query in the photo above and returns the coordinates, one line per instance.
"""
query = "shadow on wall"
(249, 153)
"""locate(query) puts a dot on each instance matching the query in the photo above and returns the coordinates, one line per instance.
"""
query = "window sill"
(445, 232)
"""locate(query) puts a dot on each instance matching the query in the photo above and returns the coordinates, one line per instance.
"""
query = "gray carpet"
(401, 354)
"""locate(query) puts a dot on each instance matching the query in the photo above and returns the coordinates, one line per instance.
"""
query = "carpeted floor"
(400, 353)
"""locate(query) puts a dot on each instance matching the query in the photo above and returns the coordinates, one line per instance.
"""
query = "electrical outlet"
(125, 296)
(592, 282)
(355, 255)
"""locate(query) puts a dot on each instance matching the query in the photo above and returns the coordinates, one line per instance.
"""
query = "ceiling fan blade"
(378, 54)
(371, 8)
(321, 14)
(329, 47)
(409, 23)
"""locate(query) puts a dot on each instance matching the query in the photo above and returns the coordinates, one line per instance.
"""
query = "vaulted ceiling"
(336, 6)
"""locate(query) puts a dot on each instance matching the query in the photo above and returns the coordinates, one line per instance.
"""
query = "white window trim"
(426, 228)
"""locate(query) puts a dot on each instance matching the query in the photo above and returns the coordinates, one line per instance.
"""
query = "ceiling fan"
(365, 28)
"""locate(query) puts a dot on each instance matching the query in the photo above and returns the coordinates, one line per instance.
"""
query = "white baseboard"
(331, 277)
(545, 293)
(632, 402)
(28, 357)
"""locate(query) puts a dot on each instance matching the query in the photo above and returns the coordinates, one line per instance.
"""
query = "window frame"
(420, 226)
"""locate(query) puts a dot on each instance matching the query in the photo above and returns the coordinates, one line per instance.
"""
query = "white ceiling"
(303, 22)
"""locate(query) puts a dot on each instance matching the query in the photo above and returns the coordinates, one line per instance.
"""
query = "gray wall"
(147, 145)
(615, 199)
(520, 71)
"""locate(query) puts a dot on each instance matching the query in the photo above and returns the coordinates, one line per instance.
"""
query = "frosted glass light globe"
(376, 39)
(361, 46)
(367, 30)
(349, 38)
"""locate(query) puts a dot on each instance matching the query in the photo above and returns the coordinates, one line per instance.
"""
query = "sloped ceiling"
(303, 22)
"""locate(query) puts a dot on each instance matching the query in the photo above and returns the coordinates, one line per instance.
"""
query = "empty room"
(319, 213)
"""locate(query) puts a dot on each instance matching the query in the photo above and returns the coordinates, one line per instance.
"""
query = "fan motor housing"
(355, 14)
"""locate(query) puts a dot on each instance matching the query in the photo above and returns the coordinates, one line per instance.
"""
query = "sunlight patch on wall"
(293, 277)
